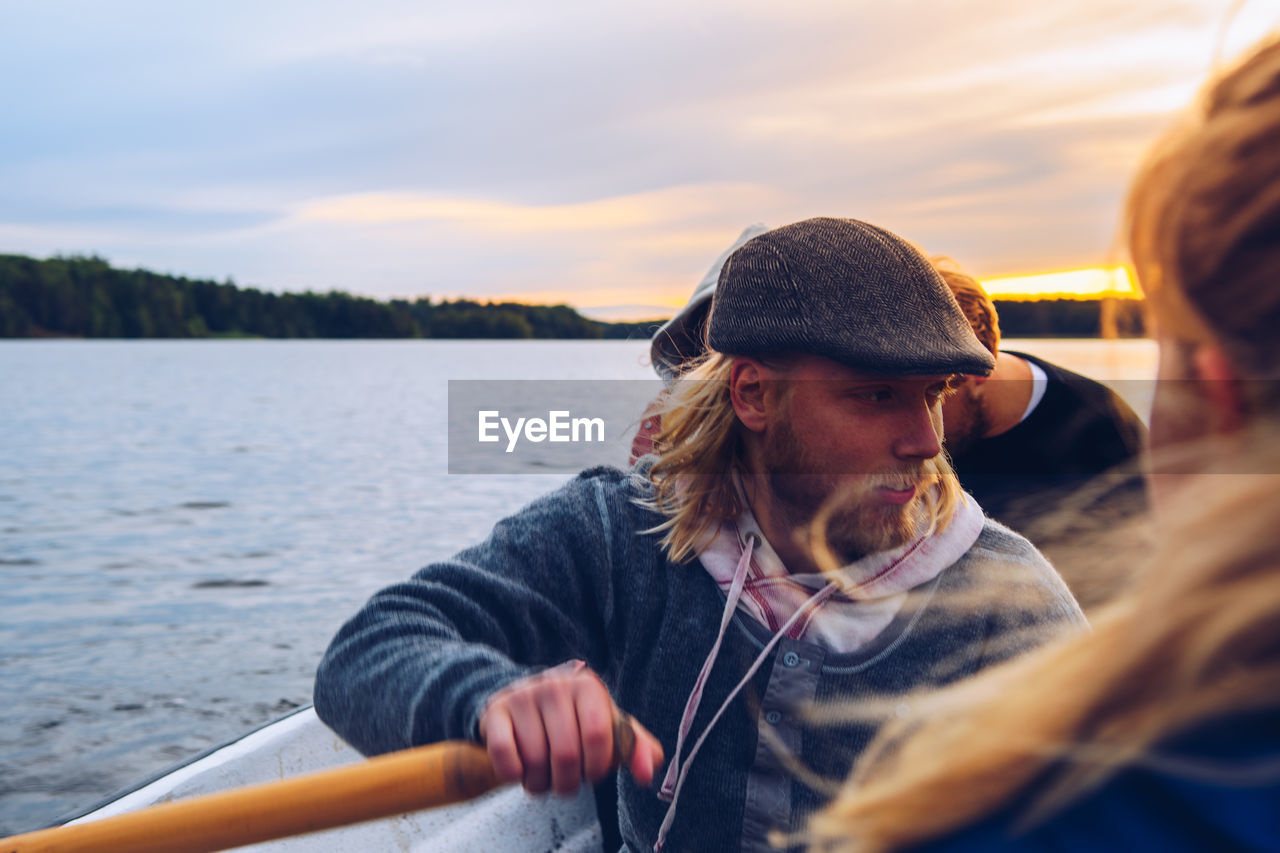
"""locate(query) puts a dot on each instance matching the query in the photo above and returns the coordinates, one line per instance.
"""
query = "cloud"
(599, 151)
(653, 244)
(672, 205)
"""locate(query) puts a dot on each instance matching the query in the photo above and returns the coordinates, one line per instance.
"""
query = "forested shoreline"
(86, 297)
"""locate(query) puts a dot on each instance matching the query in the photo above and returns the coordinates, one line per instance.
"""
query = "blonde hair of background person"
(699, 444)
(977, 306)
(1198, 639)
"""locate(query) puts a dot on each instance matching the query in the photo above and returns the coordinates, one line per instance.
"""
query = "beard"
(843, 507)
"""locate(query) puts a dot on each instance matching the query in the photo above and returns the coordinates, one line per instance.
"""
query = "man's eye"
(875, 395)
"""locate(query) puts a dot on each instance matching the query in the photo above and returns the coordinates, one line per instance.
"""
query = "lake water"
(185, 524)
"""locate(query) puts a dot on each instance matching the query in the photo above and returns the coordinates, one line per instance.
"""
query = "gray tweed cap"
(846, 290)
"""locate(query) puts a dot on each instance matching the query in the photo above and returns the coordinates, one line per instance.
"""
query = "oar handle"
(420, 778)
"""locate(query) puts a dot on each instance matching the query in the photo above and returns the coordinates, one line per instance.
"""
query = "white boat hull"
(506, 819)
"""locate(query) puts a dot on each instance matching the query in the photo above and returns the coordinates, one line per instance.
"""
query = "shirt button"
(791, 659)
(773, 718)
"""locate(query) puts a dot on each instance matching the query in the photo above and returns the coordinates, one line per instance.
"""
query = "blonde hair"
(977, 306)
(1197, 639)
(1204, 217)
(699, 448)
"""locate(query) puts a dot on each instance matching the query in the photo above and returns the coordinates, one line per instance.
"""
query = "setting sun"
(1090, 283)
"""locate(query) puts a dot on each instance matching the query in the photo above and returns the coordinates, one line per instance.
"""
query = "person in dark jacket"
(1051, 453)
(1031, 429)
(1160, 730)
(783, 548)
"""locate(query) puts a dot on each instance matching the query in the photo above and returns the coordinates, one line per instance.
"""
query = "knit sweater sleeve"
(417, 664)
(1031, 603)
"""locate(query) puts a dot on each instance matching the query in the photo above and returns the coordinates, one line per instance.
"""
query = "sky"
(594, 153)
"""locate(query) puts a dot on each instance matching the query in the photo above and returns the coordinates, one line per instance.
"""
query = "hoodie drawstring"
(677, 772)
(695, 696)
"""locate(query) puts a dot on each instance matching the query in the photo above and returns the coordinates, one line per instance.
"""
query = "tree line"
(87, 297)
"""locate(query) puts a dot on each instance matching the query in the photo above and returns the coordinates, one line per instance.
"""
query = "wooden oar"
(388, 785)
(428, 776)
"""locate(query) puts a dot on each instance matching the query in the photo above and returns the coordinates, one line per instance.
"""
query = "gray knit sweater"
(572, 576)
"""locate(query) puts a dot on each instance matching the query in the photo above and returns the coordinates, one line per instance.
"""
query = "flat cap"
(846, 290)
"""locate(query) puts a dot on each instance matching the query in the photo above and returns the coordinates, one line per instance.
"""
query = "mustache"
(921, 476)
(856, 489)
(925, 472)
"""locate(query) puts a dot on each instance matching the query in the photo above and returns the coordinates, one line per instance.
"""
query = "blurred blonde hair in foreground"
(1198, 636)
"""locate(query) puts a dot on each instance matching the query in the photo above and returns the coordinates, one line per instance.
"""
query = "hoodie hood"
(680, 338)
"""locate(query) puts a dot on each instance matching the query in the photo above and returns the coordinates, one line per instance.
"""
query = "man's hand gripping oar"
(554, 730)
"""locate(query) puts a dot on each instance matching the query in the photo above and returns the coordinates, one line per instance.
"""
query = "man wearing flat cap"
(797, 540)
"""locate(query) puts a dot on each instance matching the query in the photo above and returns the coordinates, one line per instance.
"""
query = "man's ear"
(747, 393)
(1220, 389)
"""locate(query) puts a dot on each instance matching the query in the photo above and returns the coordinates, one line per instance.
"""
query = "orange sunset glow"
(1116, 282)
(1104, 282)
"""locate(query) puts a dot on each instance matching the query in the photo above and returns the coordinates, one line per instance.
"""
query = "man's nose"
(919, 436)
